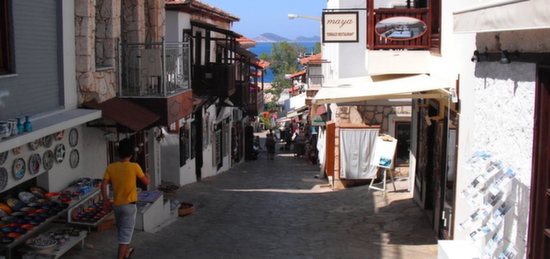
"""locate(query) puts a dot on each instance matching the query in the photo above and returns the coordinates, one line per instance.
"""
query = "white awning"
(358, 89)
(503, 15)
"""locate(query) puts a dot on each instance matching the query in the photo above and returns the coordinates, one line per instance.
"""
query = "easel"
(386, 172)
(385, 151)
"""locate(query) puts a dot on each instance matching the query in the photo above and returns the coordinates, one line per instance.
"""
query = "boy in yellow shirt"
(122, 176)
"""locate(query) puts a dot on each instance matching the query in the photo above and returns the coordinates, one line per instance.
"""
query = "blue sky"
(260, 16)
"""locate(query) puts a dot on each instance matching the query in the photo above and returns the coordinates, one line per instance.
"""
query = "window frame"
(6, 38)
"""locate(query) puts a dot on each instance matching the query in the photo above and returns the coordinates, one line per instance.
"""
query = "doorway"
(403, 136)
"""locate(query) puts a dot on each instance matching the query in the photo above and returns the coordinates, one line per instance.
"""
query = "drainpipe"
(164, 66)
(120, 67)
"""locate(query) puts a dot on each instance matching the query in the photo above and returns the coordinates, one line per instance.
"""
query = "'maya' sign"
(340, 27)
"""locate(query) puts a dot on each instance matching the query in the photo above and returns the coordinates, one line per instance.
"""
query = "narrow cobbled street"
(278, 209)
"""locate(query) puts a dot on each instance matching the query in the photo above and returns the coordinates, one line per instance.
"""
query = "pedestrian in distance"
(122, 176)
(270, 146)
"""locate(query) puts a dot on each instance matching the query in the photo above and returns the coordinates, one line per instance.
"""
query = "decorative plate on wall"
(59, 153)
(74, 158)
(73, 137)
(3, 157)
(47, 141)
(59, 135)
(34, 145)
(3, 178)
(48, 160)
(18, 168)
(16, 150)
(34, 164)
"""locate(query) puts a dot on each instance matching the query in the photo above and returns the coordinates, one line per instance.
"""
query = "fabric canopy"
(503, 15)
(124, 112)
(358, 89)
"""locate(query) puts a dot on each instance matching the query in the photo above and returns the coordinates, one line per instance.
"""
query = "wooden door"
(539, 229)
(329, 148)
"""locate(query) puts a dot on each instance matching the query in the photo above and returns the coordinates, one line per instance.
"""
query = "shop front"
(39, 169)
(429, 131)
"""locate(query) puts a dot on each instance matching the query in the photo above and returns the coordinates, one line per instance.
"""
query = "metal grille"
(154, 69)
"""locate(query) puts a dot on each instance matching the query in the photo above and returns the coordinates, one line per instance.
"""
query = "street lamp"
(294, 16)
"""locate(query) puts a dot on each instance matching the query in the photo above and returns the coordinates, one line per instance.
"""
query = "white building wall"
(92, 162)
(346, 59)
(497, 116)
(176, 22)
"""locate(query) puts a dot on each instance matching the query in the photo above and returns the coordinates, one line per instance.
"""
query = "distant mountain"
(270, 37)
(307, 39)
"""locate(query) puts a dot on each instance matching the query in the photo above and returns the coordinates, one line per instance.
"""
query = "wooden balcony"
(256, 103)
(214, 79)
(242, 91)
(385, 34)
(170, 109)
(157, 76)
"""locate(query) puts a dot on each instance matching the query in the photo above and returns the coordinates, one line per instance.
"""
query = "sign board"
(340, 27)
(400, 28)
(385, 151)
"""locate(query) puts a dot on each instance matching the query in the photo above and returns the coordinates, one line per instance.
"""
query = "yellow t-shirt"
(123, 176)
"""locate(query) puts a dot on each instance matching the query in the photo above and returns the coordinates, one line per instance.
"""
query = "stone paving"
(278, 209)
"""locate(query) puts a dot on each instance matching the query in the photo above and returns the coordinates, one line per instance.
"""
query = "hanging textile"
(357, 150)
(321, 146)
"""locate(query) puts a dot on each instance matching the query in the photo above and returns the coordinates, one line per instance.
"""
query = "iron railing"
(154, 69)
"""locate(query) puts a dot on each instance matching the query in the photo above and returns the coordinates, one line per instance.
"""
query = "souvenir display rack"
(88, 211)
(70, 240)
(37, 229)
(74, 197)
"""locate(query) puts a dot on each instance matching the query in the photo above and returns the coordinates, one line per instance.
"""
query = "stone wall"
(371, 115)
(97, 31)
(99, 26)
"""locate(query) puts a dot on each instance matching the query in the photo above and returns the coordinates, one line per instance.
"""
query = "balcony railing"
(214, 79)
(410, 28)
(154, 69)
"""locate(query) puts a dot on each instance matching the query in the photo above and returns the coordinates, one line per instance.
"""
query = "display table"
(58, 250)
(38, 229)
(48, 222)
(153, 212)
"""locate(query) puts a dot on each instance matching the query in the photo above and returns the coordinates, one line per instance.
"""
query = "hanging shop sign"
(400, 28)
(340, 27)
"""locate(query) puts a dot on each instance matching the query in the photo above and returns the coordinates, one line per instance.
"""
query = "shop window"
(206, 131)
(6, 66)
(184, 144)
(193, 139)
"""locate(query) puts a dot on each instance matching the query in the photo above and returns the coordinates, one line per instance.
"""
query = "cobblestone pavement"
(278, 209)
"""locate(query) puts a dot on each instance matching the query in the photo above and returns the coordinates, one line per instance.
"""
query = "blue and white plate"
(18, 168)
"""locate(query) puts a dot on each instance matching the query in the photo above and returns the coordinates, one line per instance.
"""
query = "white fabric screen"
(357, 150)
(321, 146)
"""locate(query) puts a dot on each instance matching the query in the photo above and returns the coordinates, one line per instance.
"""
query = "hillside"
(307, 39)
(270, 37)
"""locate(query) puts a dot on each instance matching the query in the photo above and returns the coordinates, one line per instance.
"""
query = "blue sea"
(265, 47)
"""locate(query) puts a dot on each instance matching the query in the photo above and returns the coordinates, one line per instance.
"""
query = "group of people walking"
(297, 137)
